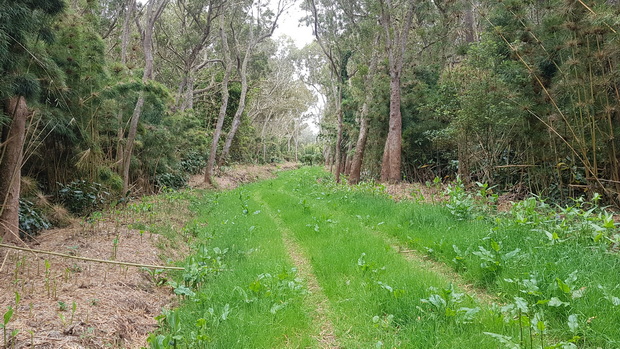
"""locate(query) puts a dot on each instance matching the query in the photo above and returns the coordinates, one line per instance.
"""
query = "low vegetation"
(536, 276)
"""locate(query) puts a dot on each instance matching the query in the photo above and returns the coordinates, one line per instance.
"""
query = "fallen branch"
(91, 259)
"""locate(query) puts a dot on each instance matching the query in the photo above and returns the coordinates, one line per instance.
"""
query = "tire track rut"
(316, 298)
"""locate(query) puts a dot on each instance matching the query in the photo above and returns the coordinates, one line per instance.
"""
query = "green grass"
(250, 297)
(552, 291)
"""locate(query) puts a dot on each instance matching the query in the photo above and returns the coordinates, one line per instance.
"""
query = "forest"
(496, 118)
(105, 100)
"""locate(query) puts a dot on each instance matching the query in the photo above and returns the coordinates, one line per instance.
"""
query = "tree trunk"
(10, 168)
(124, 43)
(360, 146)
(463, 157)
(240, 109)
(262, 137)
(396, 41)
(468, 23)
(338, 152)
(390, 166)
(223, 107)
(152, 14)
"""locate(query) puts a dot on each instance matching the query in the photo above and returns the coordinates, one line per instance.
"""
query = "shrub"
(31, 221)
(193, 163)
(172, 180)
(82, 198)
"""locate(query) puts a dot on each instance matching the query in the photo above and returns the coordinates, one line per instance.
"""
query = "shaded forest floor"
(69, 303)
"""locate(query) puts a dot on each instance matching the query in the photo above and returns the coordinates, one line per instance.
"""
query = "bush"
(193, 163)
(311, 155)
(82, 198)
(172, 180)
(31, 221)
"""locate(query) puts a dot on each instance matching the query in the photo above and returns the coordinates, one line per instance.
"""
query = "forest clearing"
(300, 261)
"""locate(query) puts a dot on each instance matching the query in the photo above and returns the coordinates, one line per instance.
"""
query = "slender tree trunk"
(327, 153)
(338, 152)
(124, 43)
(222, 114)
(468, 23)
(390, 166)
(126, 29)
(360, 146)
(240, 109)
(262, 136)
(346, 161)
(296, 141)
(153, 12)
(463, 157)
(252, 42)
(10, 168)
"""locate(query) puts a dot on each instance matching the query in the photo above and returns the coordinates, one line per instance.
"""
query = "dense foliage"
(81, 65)
(520, 94)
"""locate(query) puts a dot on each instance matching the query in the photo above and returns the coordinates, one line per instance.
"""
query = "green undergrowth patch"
(378, 298)
(554, 268)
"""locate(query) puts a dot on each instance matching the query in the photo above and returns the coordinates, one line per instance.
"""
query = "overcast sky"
(289, 25)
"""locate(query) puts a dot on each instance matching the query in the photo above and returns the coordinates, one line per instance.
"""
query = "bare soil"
(232, 177)
(68, 303)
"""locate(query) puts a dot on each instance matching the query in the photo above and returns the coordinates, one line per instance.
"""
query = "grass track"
(294, 234)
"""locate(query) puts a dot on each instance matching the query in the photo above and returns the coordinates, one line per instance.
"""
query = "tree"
(184, 36)
(396, 37)
(329, 30)
(228, 66)
(256, 33)
(154, 9)
(360, 146)
(20, 47)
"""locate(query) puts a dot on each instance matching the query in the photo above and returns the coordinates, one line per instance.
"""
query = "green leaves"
(493, 260)
(447, 305)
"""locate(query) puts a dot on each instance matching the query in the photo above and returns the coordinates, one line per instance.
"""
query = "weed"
(460, 203)
(6, 319)
(494, 259)
(446, 305)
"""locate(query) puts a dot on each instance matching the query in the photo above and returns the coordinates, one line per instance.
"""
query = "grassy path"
(296, 262)
(316, 298)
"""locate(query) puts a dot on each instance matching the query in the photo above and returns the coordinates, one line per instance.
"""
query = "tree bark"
(252, 42)
(338, 151)
(124, 43)
(222, 114)
(396, 41)
(152, 14)
(239, 112)
(10, 168)
(468, 23)
(390, 166)
(360, 146)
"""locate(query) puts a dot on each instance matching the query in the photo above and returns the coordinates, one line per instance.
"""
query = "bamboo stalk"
(91, 259)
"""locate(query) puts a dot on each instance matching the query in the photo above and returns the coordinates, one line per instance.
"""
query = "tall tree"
(154, 9)
(396, 37)
(23, 35)
(228, 67)
(262, 24)
(360, 146)
(184, 37)
(328, 29)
